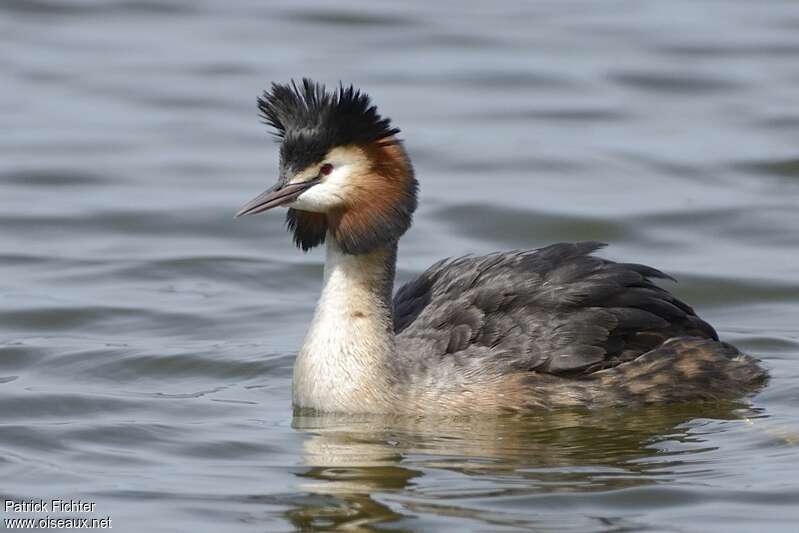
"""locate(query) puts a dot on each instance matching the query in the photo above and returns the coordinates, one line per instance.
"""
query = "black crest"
(311, 120)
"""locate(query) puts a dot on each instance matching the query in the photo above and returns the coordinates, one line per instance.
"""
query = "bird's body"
(513, 331)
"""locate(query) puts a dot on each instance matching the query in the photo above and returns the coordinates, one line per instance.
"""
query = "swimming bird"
(509, 331)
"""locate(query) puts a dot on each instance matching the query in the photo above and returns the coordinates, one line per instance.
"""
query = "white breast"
(338, 367)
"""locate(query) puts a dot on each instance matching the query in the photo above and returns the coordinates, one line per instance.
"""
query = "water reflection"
(353, 459)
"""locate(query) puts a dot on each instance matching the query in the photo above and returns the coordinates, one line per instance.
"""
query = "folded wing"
(557, 310)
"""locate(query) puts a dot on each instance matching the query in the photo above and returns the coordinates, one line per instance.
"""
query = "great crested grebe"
(509, 331)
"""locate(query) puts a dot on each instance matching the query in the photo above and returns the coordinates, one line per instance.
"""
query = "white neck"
(343, 364)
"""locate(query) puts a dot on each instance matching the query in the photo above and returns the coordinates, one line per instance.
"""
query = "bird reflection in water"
(356, 462)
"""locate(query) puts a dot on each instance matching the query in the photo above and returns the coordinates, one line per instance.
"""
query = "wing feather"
(557, 309)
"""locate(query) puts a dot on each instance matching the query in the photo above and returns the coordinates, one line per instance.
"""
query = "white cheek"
(326, 195)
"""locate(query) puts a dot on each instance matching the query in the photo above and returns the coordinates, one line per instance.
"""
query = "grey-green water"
(147, 338)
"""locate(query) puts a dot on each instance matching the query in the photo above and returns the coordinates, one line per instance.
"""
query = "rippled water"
(147, 338)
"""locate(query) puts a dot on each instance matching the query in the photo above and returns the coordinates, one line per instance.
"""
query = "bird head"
(343, 173)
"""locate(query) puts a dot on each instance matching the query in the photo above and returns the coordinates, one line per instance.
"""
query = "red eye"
(326, 169)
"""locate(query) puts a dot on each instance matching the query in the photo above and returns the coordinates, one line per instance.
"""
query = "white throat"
(342, 365)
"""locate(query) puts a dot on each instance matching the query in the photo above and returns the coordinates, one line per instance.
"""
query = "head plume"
(310, 120)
